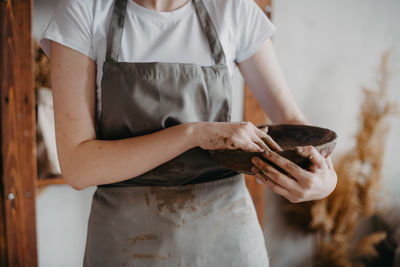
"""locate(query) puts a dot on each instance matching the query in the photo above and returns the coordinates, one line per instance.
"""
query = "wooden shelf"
(50, 181)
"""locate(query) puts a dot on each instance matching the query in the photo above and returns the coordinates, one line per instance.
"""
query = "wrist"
(193, 133)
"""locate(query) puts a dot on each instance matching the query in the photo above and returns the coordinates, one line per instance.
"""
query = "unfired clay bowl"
(288, 136)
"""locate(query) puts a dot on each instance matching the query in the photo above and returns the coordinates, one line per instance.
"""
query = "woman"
(141, 91)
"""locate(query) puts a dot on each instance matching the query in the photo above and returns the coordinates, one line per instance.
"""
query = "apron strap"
(117, 26)
(210, 32)
(115, 31)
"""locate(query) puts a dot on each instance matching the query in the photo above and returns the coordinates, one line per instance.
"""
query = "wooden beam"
(50, 181)
(254, 113)
(3, 241)
(18, 133)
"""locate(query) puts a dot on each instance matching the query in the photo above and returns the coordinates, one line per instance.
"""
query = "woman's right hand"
(232, 136)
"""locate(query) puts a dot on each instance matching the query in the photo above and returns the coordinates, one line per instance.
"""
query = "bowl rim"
(318, 147)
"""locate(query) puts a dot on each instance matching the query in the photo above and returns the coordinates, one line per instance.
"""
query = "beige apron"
(189, 211)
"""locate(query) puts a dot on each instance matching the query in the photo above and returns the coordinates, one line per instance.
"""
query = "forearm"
(266, 80)
(282, 109)
(95, 162)
(274, 96)
(300, 119)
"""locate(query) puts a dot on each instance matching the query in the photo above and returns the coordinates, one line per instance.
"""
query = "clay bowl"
(288, 136)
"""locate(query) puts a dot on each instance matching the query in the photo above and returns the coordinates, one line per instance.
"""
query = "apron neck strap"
(117, 26)
(115, 31)
(210, 32)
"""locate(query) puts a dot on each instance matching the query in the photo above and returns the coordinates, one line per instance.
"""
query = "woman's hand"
(233, 135)
(299, 184)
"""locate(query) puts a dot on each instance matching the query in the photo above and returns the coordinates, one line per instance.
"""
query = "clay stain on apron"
(146, 237)
(134, 240)
(240, 210)
(172, 200)
(151, 256)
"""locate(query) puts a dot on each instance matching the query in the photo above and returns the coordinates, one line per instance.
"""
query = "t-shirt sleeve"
(71, 26)
(254, 29)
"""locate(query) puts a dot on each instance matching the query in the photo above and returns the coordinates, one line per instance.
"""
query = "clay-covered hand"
(233, 135)
(298, 185)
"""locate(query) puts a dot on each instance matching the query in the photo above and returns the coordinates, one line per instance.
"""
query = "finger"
(264, 129)
(271, 143)
(315, 157)
(279, 178)
(262, 133)
(248, 139)
(274, 144)
(258, 181)
(314, 168)
(260, 178)
(259, 175)
(330, 163)
(260, 137)
(281, 191)
(251, 147)
(257, 140)
(256, 171)
(260, 143)
(291, 168)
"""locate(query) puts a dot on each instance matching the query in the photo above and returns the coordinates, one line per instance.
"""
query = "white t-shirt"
(151, 36)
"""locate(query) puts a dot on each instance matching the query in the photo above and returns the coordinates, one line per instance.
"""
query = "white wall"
(61, 219)
(328, 50)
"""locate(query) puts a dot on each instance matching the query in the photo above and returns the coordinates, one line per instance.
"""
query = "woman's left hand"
(299, 184)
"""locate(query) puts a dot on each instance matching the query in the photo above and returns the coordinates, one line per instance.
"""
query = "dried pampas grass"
(366, 247)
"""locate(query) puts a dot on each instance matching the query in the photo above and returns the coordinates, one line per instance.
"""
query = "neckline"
(176, 14)
(118, 18)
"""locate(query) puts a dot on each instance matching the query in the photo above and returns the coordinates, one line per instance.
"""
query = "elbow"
(77, 186)
(74, 179)
(74, 182)
(74, 167)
